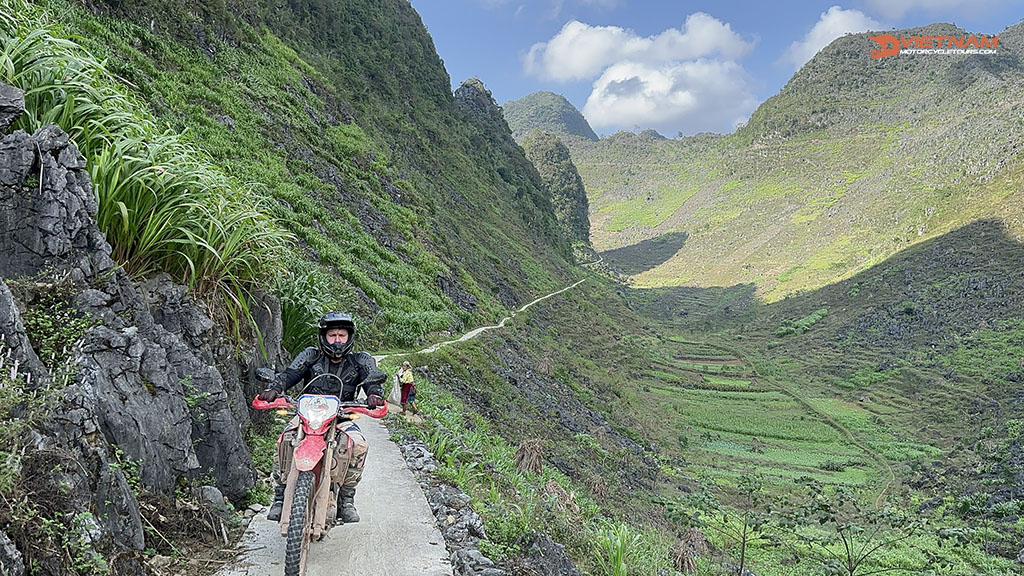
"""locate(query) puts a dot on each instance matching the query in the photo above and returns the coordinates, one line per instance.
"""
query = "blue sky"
(674, 66)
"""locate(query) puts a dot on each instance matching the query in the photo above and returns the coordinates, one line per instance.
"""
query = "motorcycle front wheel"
(299, 526)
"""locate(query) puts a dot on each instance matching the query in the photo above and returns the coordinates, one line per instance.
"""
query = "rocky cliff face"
(151, 381)
(493, 136)
(568, 196)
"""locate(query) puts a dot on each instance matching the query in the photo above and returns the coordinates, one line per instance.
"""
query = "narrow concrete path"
(396, 536)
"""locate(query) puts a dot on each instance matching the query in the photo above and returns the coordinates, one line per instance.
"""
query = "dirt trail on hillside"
(476, 332)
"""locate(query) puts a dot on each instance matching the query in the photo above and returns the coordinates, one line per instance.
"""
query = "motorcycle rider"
(356, 370)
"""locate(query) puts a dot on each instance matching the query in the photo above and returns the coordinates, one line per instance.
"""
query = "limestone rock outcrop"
(153, 381)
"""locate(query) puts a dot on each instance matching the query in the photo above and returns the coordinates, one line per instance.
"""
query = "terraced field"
(731, 421)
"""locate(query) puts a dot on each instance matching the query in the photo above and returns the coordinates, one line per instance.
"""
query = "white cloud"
(580, 51)
(691, 96)
(830, 26)
(682, 79)
(897, 8)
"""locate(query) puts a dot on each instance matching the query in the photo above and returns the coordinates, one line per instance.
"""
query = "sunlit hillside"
(853, 161)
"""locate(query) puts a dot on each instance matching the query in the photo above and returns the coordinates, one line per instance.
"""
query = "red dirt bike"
(310, 497)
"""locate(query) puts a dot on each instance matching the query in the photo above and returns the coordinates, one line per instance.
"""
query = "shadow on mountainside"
(927, 345)
(934, 331)
(932, 293)
(645, 255)
(929, 295)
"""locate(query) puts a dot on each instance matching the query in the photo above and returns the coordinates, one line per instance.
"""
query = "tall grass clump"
(305, 294)
(613, 547)
(163, 205)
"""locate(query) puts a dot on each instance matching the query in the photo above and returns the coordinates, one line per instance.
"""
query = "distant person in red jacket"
(405, 378)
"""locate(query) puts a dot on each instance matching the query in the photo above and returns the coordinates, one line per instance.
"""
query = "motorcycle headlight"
(318, 409)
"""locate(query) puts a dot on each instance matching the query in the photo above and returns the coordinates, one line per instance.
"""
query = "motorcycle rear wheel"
(299, 526)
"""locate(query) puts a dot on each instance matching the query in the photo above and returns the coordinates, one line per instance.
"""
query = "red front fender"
(309, 452)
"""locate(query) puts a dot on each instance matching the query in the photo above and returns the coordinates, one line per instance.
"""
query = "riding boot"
(346, 505)
(278, 504)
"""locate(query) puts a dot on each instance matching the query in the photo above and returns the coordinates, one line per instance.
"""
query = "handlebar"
(279, 402)
(345, 408)
(378, 412)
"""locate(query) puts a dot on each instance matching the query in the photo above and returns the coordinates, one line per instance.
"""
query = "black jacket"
(358, 369)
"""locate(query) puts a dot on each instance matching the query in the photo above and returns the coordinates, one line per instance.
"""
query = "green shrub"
(1004, 509)
(348, 140)
(867, 377)
(304, 297)
(54, 326)
(613, 547)
(802, 325)
(34, 503)
(832, 466)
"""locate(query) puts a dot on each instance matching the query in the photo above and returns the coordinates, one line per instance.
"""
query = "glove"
(374, 401)
(269, 395)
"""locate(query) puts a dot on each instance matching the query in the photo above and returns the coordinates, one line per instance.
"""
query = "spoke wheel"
(299, 526)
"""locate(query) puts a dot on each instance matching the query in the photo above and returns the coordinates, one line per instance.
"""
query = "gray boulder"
(548, 558)
(10, 559)
(47, 208)
(12, 105)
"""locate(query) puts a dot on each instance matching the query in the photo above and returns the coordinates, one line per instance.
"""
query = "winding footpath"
(477, 331)
(397, 534)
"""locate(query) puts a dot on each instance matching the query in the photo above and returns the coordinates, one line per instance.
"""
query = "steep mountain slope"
(899, 383)
(918, 356)
(854, 160)
(341, 113)
(565, 188)
(548, 112)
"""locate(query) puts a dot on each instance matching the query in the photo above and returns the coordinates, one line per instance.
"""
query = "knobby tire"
(297, 544)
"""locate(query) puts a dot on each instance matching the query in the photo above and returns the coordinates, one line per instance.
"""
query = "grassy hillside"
(897, 384)
(853, 161)
(340, 113)
(918, 358)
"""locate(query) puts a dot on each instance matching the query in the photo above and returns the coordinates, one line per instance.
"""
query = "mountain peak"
(841, 85)
(548, 112)
(472, 96)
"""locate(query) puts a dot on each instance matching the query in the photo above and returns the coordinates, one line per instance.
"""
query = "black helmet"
(333, 320)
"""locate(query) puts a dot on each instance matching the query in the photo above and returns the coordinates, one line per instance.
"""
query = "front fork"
(325, 499)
